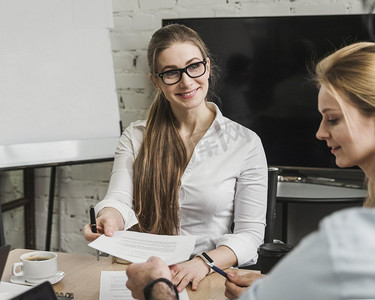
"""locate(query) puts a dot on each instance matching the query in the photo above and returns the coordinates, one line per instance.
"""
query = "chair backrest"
(271, 204)
(2, 238)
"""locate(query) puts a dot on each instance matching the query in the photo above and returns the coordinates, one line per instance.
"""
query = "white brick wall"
(134, 22)
(124, 5)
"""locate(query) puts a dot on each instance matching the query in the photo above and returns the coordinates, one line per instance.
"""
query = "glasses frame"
(183, 70)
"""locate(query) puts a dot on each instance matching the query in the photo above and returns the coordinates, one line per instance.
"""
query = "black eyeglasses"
(193, 70)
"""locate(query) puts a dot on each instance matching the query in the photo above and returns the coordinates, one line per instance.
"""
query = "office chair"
(271, 204)
(270, 212)
(2, 238)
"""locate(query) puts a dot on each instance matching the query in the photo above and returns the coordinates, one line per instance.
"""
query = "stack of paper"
(10, 290)
(112, 287)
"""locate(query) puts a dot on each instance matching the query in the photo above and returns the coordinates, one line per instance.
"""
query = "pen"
(210, 262)
(93, 225)
(218, 270)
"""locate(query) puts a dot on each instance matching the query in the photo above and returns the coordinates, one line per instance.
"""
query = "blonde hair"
(350, 72)
(162, 158)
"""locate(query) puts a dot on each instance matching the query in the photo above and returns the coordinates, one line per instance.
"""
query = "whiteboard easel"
(58, 102)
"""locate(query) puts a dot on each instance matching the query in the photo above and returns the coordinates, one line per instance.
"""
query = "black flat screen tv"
(265, 81)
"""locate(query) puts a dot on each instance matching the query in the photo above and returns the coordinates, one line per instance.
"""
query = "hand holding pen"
(210, 263)
(238, 283)
(93, 225)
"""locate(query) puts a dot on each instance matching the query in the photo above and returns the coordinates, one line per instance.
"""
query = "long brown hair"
(350, 71)
(162, 157)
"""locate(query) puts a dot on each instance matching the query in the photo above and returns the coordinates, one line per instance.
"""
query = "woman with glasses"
(187, 169)
(337, 261)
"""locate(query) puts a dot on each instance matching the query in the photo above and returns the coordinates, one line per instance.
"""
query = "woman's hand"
(108, 221)
(192, 271)
(237, 284)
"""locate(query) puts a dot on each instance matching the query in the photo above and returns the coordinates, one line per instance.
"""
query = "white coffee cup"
(36, 266)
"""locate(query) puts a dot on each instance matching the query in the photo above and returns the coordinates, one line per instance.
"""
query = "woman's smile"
(189, 94)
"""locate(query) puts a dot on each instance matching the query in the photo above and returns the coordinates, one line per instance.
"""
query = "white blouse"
(225, 182)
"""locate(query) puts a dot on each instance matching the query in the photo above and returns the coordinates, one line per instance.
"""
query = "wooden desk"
(82, 276)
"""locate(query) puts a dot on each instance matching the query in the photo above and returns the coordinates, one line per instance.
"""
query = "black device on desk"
(43, 291)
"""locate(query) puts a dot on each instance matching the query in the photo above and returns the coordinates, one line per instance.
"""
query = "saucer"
(21, 280)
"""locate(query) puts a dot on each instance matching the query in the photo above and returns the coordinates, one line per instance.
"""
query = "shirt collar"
(219, 121)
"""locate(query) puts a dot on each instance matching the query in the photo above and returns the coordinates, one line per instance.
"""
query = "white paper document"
(112, 287)
(138, 247)
(11, 290)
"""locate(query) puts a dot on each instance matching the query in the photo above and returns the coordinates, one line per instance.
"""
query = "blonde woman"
(337, 262)
(187, 169)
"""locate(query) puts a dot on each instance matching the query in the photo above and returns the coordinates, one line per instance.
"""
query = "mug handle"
(14, 271)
